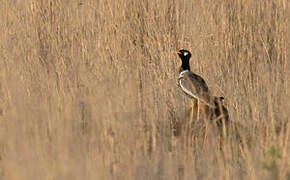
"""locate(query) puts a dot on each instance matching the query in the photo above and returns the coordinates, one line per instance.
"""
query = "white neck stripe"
(182, 73)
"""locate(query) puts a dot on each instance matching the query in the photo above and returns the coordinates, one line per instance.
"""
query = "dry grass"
(88, 90)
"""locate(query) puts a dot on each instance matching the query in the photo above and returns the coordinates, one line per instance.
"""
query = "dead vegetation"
(88, 89)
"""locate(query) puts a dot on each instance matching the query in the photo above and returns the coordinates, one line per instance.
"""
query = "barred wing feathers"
(195, 87)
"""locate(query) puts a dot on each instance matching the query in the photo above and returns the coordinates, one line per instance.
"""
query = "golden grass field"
(88, 89)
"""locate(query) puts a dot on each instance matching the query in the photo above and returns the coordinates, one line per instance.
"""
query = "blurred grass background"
(88, 89)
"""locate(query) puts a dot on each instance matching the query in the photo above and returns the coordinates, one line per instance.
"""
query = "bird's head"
(184, 54)
(218, 100)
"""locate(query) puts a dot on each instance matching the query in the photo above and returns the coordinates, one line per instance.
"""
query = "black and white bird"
(190, 83)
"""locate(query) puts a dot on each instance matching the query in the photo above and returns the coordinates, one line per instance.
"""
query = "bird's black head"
(218, 100)
(184, 54)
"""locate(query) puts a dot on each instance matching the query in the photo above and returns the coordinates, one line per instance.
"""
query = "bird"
(217, 115)
(193, 85)
(220, 112)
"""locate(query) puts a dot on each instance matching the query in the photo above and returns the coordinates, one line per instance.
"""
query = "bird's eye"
(185, 53)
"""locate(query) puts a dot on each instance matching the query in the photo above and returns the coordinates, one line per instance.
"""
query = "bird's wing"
(195, 87)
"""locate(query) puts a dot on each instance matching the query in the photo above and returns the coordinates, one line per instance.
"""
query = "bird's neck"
(184, 65)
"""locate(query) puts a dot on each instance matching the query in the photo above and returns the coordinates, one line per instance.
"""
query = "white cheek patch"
(185, 53)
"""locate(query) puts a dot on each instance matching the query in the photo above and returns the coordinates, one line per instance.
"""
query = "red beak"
(178, 52)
